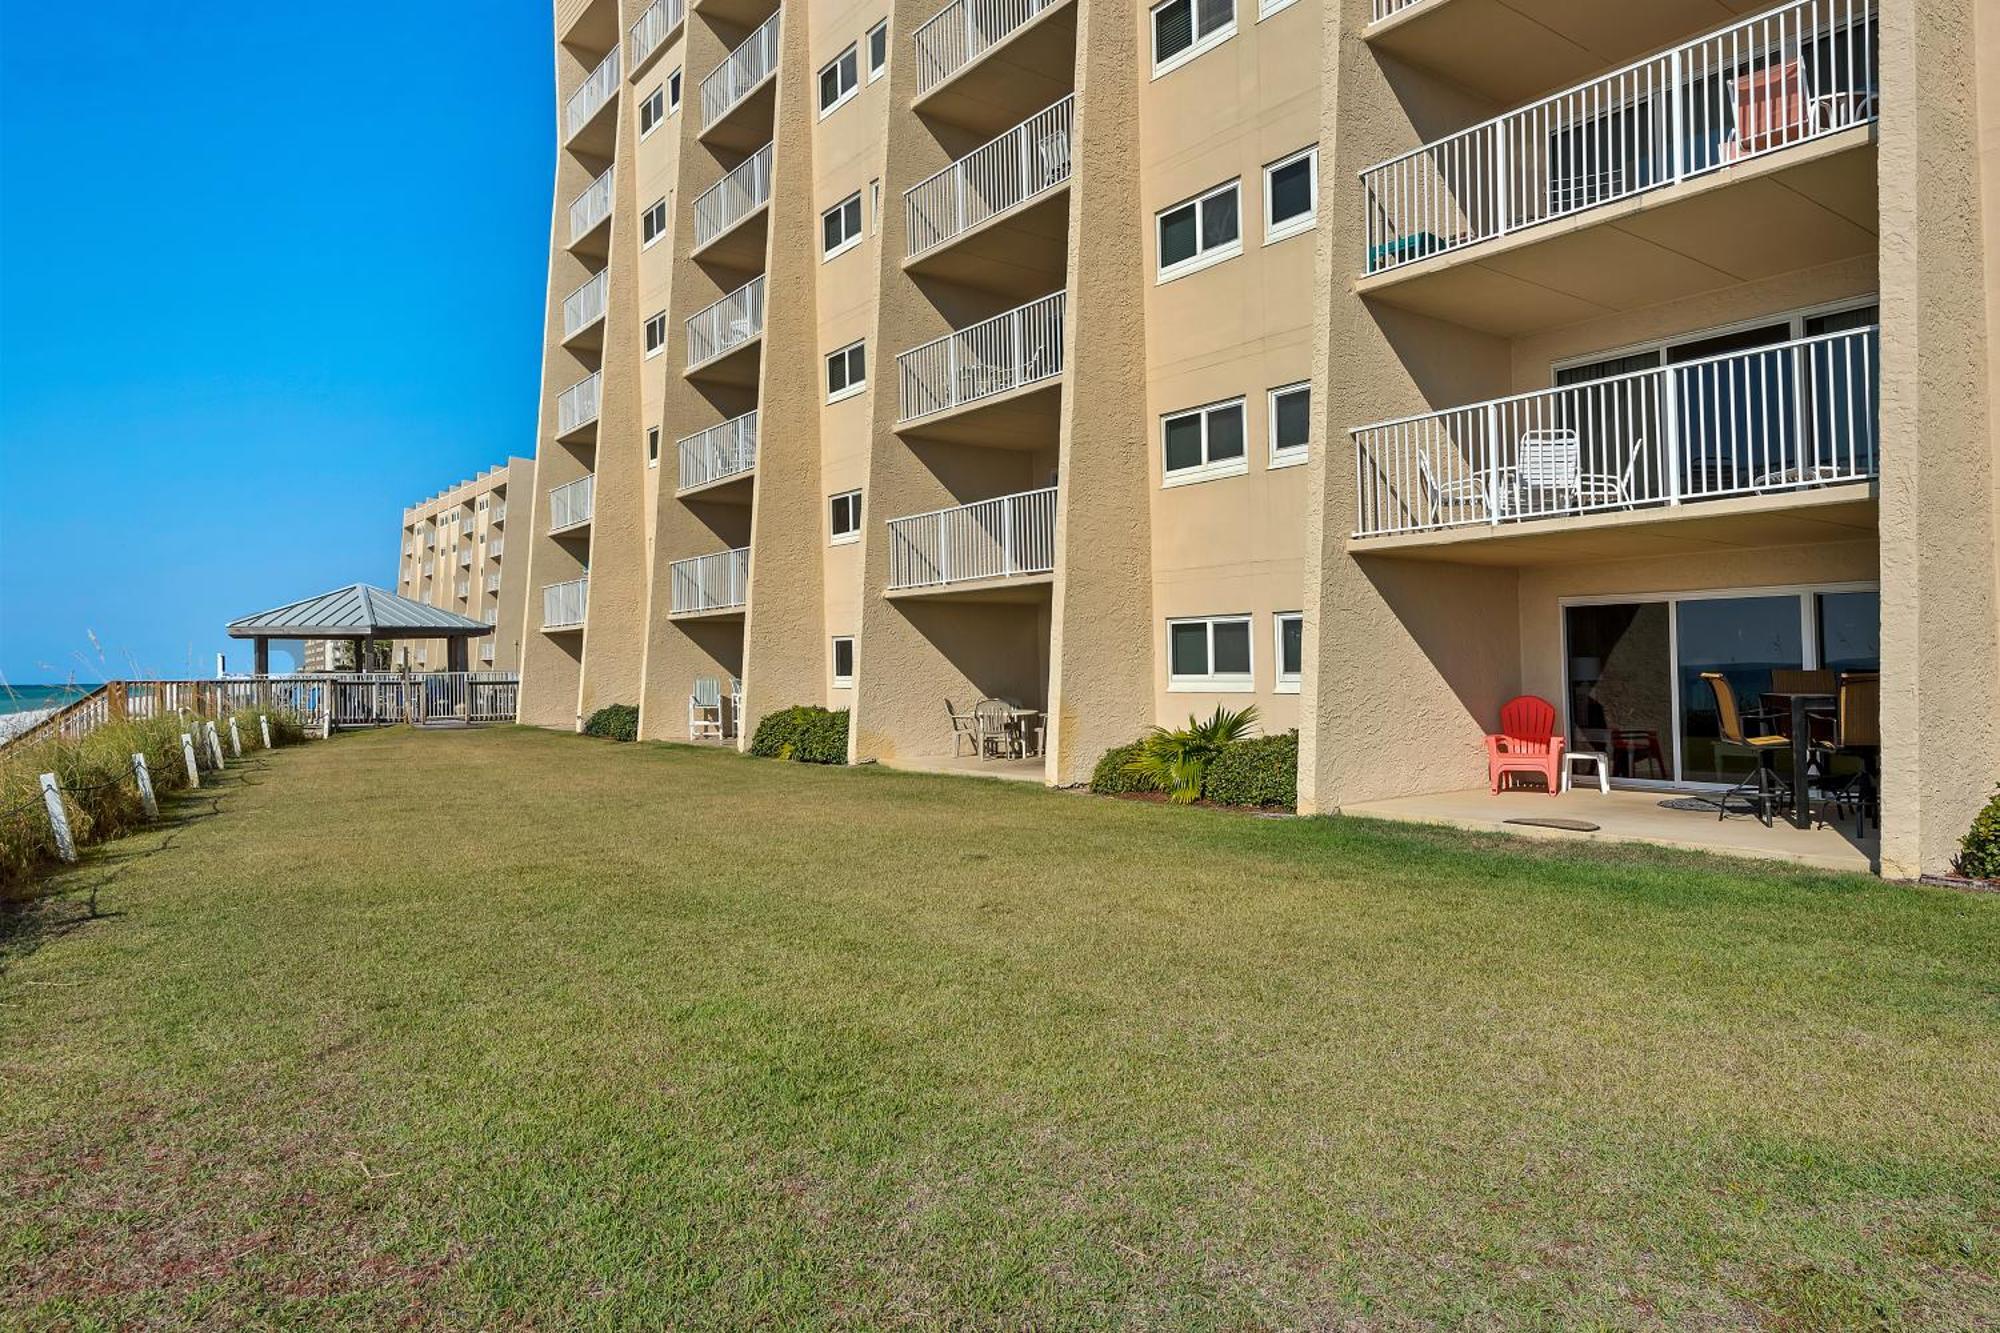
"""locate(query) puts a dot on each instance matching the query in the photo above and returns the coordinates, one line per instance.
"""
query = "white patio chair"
(1453, 501)
(1601, 488)
(705, 709)
(1548, 465)
(1052, 155)
(964, 727)
(993, 720)
(736, 705)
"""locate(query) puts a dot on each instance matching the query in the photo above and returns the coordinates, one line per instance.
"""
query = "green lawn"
(511, 1028)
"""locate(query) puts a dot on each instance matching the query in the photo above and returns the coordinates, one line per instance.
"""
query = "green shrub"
(1263, 771)
(1979, 849)
(618, 722)
(803, 734)
(1114, 775)
(1176, 762)
(99, 793)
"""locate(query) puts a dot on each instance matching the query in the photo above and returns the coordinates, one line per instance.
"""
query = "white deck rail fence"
(723, 450)
(660, 19)
(1798, 72)
(1013, 349)
(591, 207)
(585, 306)
(1799, 414)
(563, 604)
(1003, 174)
(1000, 538)
(571, 504)
(715, 582)
(963, 31)
(577, 406)
(740, 72)
(736, 196)
(730, 322)
(599, 87)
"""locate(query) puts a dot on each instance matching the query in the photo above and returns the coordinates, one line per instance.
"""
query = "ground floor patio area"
(1031, 769)
(1633, 816)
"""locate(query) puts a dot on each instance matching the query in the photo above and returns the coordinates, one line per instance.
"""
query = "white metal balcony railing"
(585, 306)
(430, 567)
(1798, 72)
(724, 450)
(599, 87)
(464, 588)
(736, 196)
(1014, 534)
(659, 20)
(577, 407)
(1014, 348)
(493, 583)
(465, 558)
(711, 582)
(1384, 8)
(961, 32)
(591, 207)
(571, 504)
(499, 514)
(1013, 168)
(730, 322)
(486, 650)
(1798, 414)
(563, 603)
(740, 71)
(495, 547)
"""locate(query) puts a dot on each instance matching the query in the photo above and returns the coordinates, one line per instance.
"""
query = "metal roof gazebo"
(357, 614)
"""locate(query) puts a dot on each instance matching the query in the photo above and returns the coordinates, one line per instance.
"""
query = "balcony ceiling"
(1012, 81)
(1514, 51)
(1023, 254)
(1028, 419)
(1018, 590)
(747, 125)
(1797, 209)
(1792, 518)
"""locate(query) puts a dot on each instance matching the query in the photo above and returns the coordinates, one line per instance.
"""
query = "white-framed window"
(1266, 8)
(840, 227)
(843, 661)
(847, 371)
(652, 111)
(1291, 194)
(1204, 230)
(1209, 653)
(656, 333)
(838, 81)
(654, 224)
(1183, 29)
(843, 523)
(878, 50)
(1203, 442)
(1288, 633)
(875, 207)
(652, 446)
(1290, 412)
(674, 90)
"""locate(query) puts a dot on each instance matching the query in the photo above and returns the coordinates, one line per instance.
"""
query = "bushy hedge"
(1263, 771)
(618, 722)
(1979, 849)
(803, 734)
(1111, 777)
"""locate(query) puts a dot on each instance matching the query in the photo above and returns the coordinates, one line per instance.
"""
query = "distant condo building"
(454, 556)
(1369, 361)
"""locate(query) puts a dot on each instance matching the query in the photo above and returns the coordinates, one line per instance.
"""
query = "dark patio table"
(1801, 705)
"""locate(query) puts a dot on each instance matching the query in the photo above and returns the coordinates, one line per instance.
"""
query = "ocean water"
(33, 698)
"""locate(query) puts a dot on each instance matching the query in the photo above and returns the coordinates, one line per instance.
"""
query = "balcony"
(1004, 541)
(721, 209)
(722, 453)
(464, 589)
(430, 567)
(711, 584)
(1737, 156)
(571, 505)
(986, 64)
(735, 322)
(583, 309)
(486, 650)
(1745, 439)
(1005, 194)
(997, 361)
(736, 97)
(493, 583)
(495, 547)
(465, 556)
(577, 406)
(499, 514)
(590, 212)
(583, 131)
(563, 604)
(660, 21)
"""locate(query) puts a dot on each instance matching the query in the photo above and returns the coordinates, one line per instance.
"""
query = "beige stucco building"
(453, 555)
(1371, 361)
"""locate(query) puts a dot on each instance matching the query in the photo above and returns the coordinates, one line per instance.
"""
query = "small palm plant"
(1177, 761)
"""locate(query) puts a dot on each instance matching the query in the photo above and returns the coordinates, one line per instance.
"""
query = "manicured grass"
(510, 1028)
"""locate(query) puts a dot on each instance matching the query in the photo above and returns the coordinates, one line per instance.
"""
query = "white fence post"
(235, 739)
(58, 817)
(145, 781)
(264, 724)
(187, 753)
(215, 747)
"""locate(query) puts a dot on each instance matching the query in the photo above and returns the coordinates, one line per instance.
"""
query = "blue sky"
(268, 273)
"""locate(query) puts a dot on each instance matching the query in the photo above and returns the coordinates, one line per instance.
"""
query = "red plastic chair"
(1526, 743)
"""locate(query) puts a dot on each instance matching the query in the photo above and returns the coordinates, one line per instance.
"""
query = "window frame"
(1290, 455)
(658, 319)
(675, 86)
(1208, 469)
(652, 446)
(851, 501)
(1299, 223)
(876, 71)
(846, 95)
(653, 104)
(1266, 8)
(1211, 682)
(1282, 681)
(1203, 257)
(851, 238)
(657, 208)
(853, 386)
(841, 682)
(1201, 44)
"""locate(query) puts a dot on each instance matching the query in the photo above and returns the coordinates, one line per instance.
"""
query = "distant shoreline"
(12, 724)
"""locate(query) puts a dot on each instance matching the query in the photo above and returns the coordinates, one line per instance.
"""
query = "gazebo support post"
(262, 650)
(455, 655)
